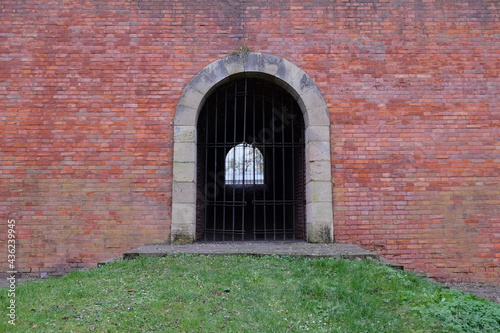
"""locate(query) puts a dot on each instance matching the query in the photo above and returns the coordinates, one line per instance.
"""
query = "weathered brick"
(88, 96)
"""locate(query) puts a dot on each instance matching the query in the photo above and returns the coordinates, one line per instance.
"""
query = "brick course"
(88, 91)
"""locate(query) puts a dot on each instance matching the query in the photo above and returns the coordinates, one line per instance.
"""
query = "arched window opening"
(244, 166)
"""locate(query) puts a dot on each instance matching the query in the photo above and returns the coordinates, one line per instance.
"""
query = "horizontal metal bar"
(227, 232)
(256, 145)
(271, 231)
(277, 202)
(257, 231)
(255, 202)
(226, 203)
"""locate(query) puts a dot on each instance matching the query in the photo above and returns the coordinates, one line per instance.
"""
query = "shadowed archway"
(250, 163)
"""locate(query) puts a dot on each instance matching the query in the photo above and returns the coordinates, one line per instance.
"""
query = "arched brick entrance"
(318, 185)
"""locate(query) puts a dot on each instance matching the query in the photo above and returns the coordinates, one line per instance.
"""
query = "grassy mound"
(190, 293)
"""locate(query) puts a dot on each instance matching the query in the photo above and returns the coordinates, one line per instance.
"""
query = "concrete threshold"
(295, 249)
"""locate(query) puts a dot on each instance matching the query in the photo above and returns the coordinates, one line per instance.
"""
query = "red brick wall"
(88, 91)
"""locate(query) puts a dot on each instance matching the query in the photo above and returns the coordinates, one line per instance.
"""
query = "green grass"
(187, 293)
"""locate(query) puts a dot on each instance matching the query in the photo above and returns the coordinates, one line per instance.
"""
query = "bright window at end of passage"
(244, 165)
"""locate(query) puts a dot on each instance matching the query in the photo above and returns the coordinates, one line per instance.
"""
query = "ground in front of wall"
(484, 290)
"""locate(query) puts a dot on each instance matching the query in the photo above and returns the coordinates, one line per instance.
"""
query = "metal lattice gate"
(250, 164)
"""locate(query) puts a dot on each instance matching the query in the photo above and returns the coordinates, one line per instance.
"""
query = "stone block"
(270, 64)
(185, 152)
(191, 98)
(318, 133)
(211, 75)
(254, 62)
(234, 63)
(320, 232)
(201, 83)
(184, 172)
(317, 151)
(185, 134)
(318, 191)
(319, 212)
(318, 171)
(318, 116)
(310, 95)
(184, 193)
(183, 228)
(287, 71)
(185, 116)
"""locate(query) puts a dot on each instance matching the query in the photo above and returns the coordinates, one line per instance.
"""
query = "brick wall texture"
(88, 91)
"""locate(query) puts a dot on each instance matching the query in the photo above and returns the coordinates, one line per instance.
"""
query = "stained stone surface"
(288, 248)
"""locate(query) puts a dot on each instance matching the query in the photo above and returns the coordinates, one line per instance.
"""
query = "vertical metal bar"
(294, 212)
(225, 155)
(205, 176)
(264, 133)
(273, 105)
(216, 149)
(235, 111)
(283, 162)
(244, 156)
(253, 146)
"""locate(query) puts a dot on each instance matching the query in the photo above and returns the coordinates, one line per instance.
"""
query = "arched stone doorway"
(317, 161)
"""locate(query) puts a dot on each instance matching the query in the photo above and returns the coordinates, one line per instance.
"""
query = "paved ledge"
(297, 249)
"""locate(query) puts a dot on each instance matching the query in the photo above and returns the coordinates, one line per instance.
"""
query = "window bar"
(225, 152)
(244, 162)
(253, 146)
(295, 207)
(235, 112)
(263, 133)
(215, 208)
(283, 162)
(205, 180)
(274, 161)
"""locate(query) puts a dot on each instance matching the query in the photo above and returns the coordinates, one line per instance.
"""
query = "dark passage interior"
(250, 164)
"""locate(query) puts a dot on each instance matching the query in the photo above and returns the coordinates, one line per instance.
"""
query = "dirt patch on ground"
(483, 290)
(19, 280)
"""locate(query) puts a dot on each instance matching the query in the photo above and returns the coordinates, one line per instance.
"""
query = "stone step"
(297, 249)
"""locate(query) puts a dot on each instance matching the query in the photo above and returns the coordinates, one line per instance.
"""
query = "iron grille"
(257, 198)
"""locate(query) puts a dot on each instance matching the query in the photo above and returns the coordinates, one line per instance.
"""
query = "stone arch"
(319, 204)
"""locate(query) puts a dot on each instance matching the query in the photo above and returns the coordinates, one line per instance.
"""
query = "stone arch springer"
(318, 180)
